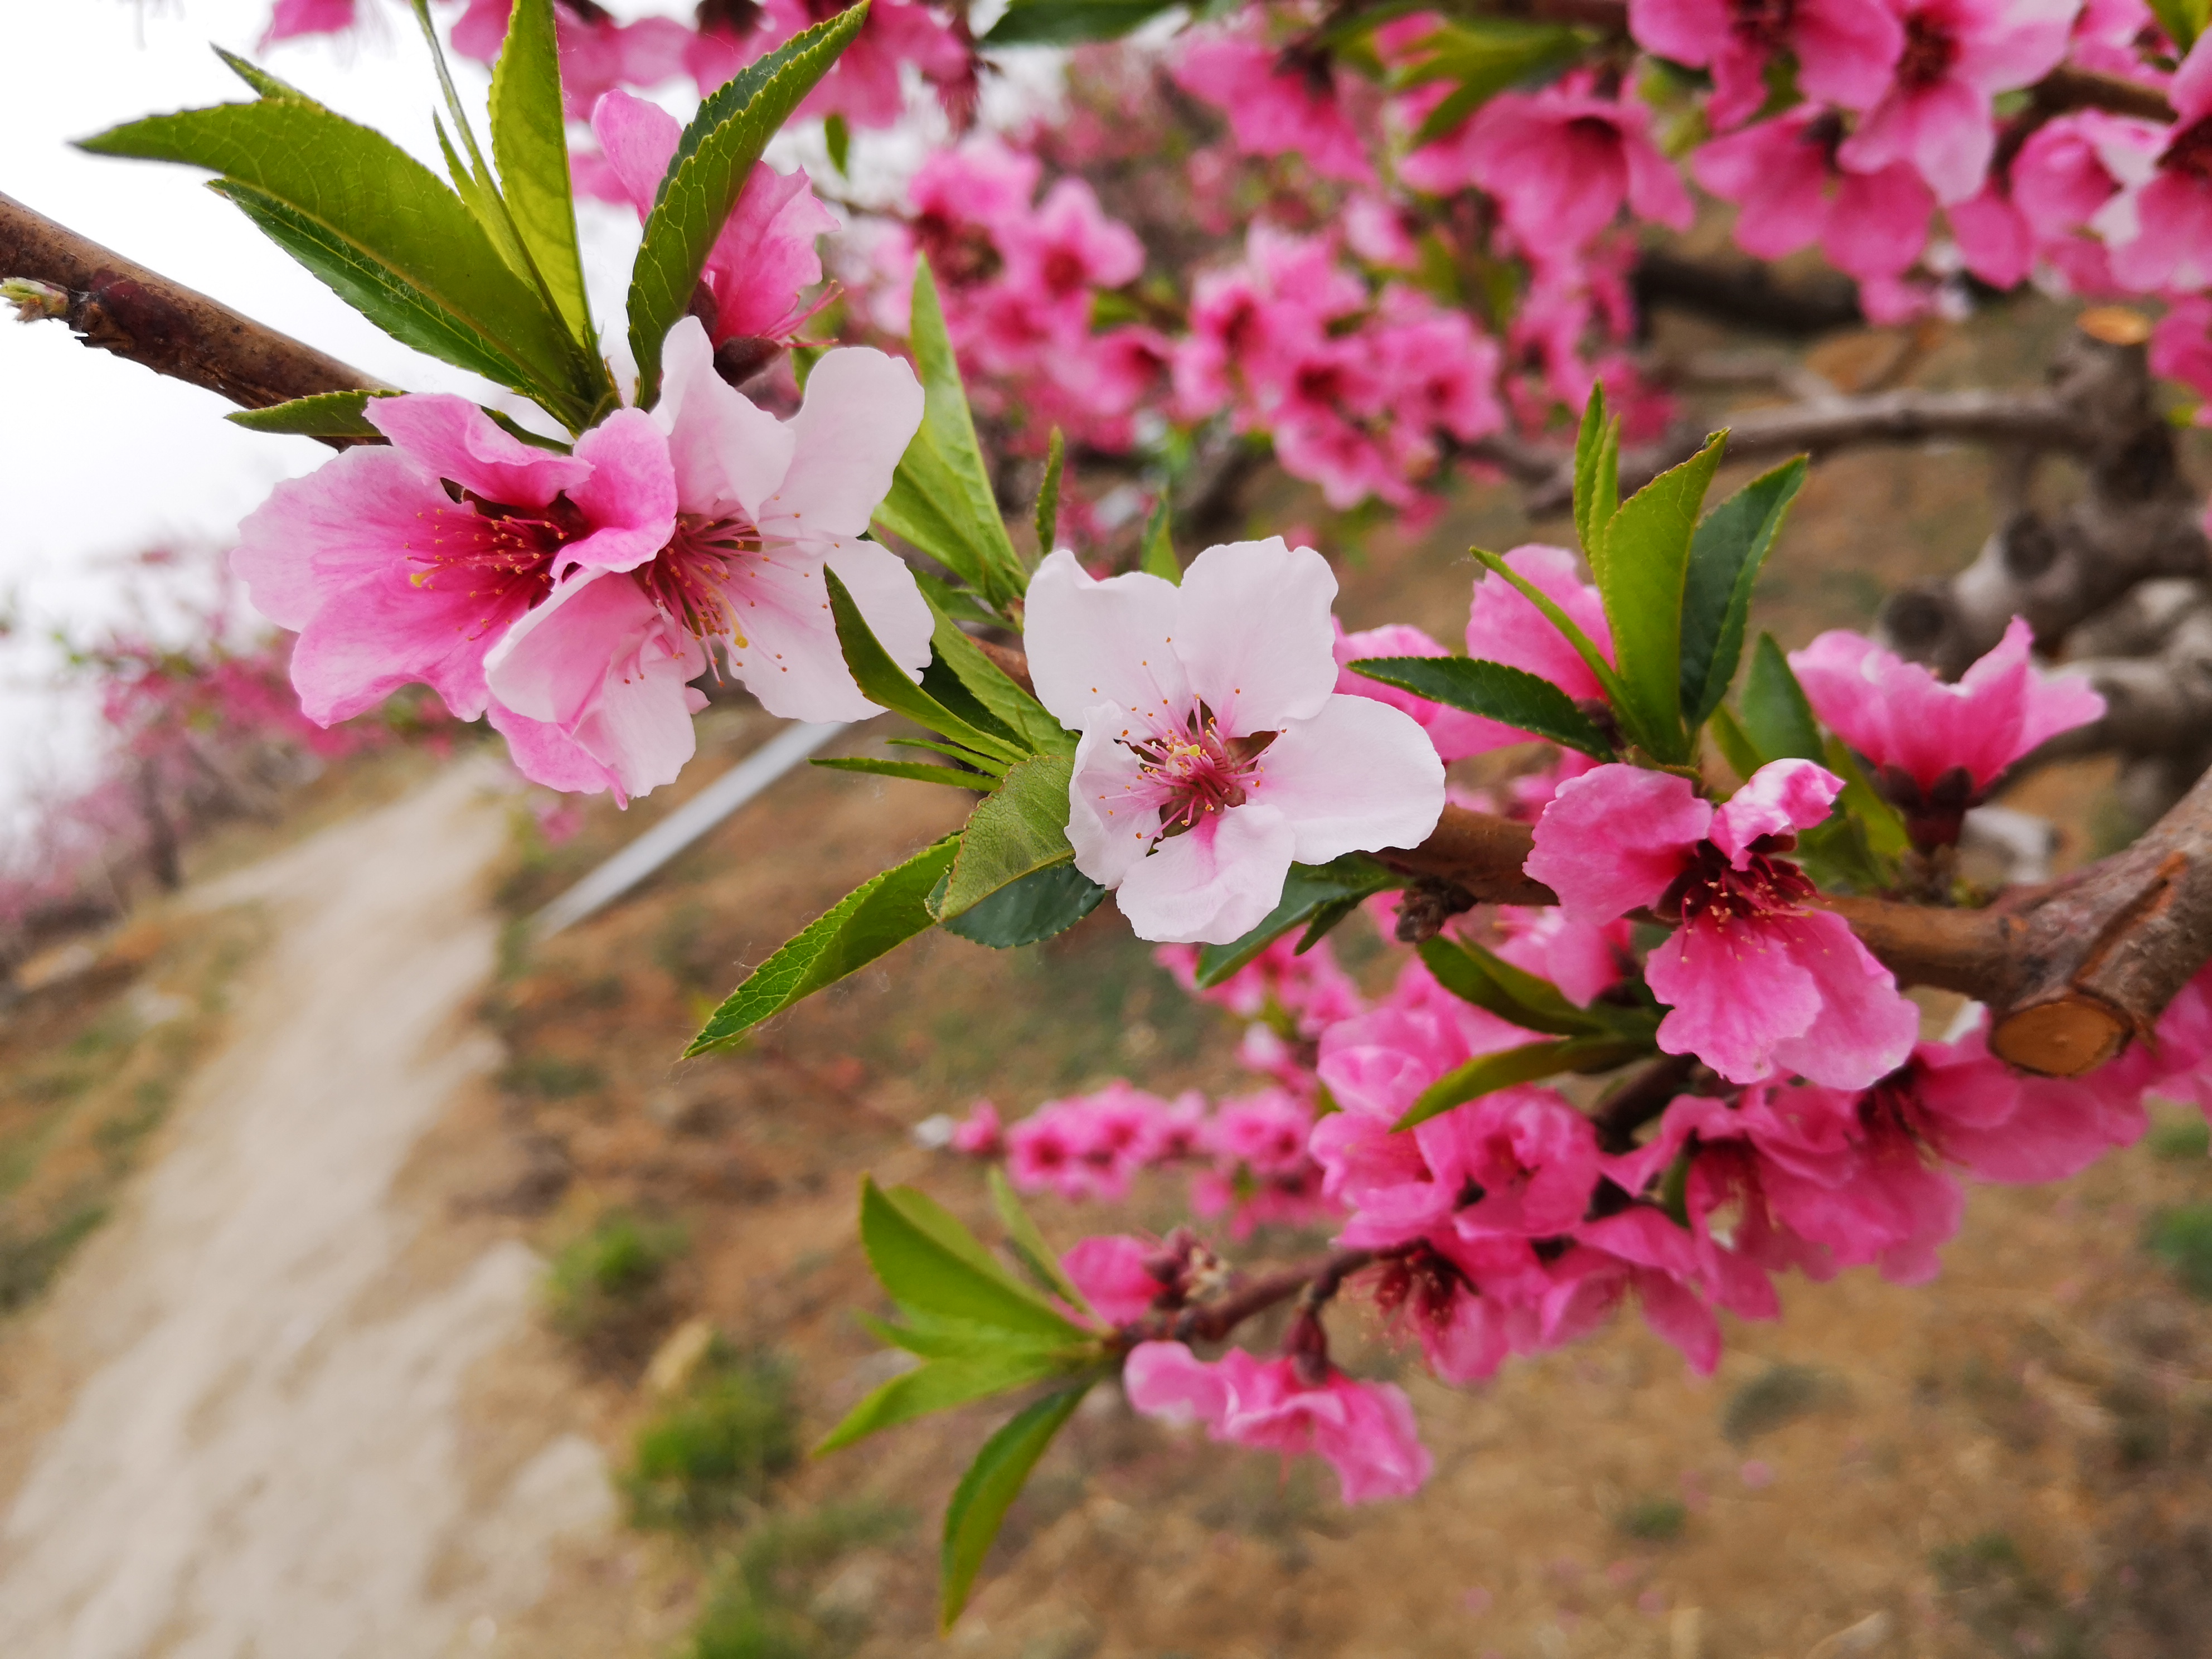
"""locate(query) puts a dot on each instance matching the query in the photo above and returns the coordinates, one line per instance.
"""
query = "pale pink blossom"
(1454, 733)
(1844, 49)
(1215, 752)
(2160, 227)
(979, 1134)
(1758, 978)
(1277, 103)
(765, 253)
(1365, 1430)
(1938, 748)
(1112, 1271)
(1958, 56)
(1560, 161)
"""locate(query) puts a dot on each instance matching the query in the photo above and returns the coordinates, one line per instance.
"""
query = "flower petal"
(1736, 993)
(630, 497)
(1214, 884)
(1359, 775)
(861, 410)
(1612, 839)
(1781, 796)
(456, 440)
(729, 454)
(1092, 643)
(1865, 1028)
(1255, 633)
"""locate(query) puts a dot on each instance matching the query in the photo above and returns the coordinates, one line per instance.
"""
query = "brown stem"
(123, 308)
(1210, 1321)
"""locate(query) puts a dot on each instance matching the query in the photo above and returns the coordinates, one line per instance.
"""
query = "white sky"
(99, 458)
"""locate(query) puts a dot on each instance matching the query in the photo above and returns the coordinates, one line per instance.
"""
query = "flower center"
(1423, 1279)
(1764, 23)
(1929, 51)
(2191, 152)
(498, 554)
(1714, 891)
(689, 577)
(1196, 771)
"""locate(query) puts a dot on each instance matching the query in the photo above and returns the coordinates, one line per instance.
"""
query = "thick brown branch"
(2069, 88)
(123, 308)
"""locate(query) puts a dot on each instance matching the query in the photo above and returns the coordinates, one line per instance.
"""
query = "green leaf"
(928, 1273)
(1776, 718)
(913, 771)
(838, 139)
(1616, 694)
(325, 415)
(1308, 890)
(1028, 1243)
(1029, 720)
(1735, 744)
(1488, 980)
(1048, 502)
(1019, 829)
(1885, 828)
(380, 228)
(1070, 22)
(2182, 19)
(1642, 578)
(882, 911)
(1158, 557)
(957, 603)
(1041, 905)
(529, 146)
(712, 159)
(994, 1480)
(1512, 697)
(1597, 474)
(261, 80)
(1725, 556)
(941, 499)
(883, 681)
(1484, 55)
(940, 1385)
(994, 770)
(1487, 1073)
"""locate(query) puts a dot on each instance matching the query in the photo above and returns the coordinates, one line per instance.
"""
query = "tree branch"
(122, 308)
(1210, 1321)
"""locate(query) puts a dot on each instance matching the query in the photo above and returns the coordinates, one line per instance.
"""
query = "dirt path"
(263, 1455)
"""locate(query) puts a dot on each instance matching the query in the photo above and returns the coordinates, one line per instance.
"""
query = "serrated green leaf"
(476, 188)
(1029, 720)
(883, 681)
(1484, 56)
(957, 603)
(913, 771)
(1488, 980)
(1040, 906)
(1306, 890)
(1597, 474)
(993, 769)
(921, 1210)
(325, 415)
(1736, 747)
(1616, 693)
(377, 226)
(1048, 502)
(262, 82)
(1776, 717)
(1641, 579)
(988, 1489)
(882, 911)
(713, 158)
(1019, 829)
(1028, 1244)
(1731, 544)
(1487, 1073)
(1158, 557)
(929, 1275)
(939, 1385)
(1070, 22)
(1511, 695)
(941, 499)
(529, 147)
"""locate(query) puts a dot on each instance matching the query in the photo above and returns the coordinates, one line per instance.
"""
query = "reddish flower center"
(961, 255)
(1764, 23)
(1197, 771)
(1062, 272)
(689, 577)
(2191, 151)
(1714, 891)
(493, 552)
(1422, 1280)
(1929, 51)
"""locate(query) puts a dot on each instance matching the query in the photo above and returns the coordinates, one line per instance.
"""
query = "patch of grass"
(1655, 1520)
(1781, 1394)
(610, 1275)
(2182, 1239)
(762, 1606)
(551, 1077)
(1990, 1586)
(29, 1262)
(2187, 1139)
(706, 1459)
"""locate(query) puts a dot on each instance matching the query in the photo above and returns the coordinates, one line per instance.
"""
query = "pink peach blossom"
(1844, 49)
(863, 85)
(765, 254)
(1902, 718)
(1958, 56)
(1277, 103)
(1757, 978)
(2160, 227)
(1214, 751)
(595, 57)
(1365, 1430)
(1454, 733)
(1560, 161)
(1783, 174)
(1112, 1271)
(292, 18)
